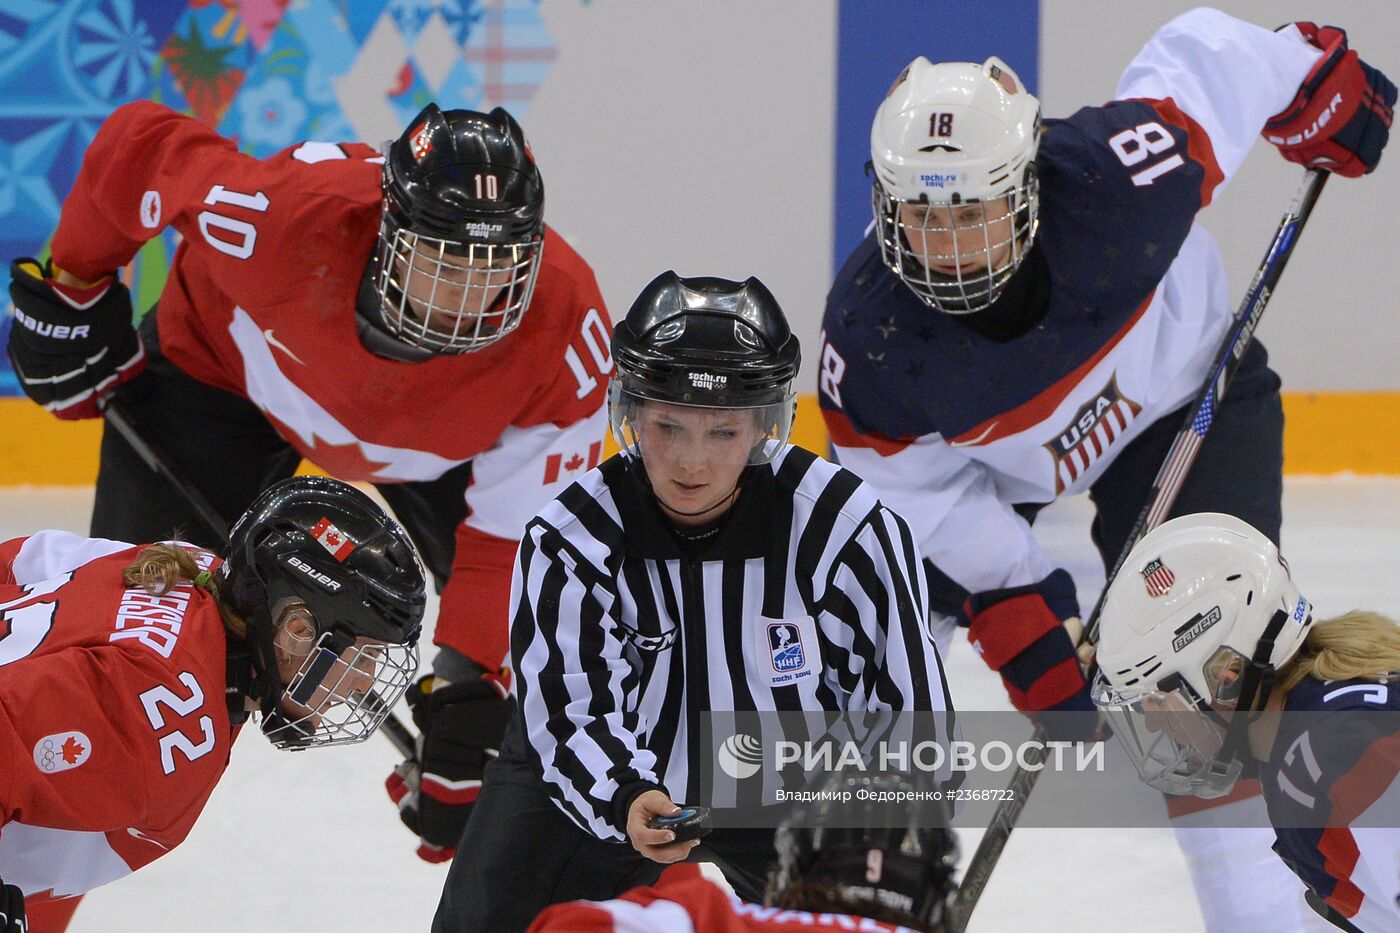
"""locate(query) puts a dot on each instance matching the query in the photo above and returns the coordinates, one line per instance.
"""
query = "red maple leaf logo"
(72, 750)
(573, 463)
(332, 538)
(343, 461)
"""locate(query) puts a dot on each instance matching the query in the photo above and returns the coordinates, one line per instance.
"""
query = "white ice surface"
(309, 842)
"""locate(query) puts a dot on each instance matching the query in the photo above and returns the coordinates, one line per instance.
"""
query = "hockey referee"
(643, 598)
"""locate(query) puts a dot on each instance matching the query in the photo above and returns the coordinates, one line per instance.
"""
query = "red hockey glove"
(69, 346)
(1020, 632)
(11, 909)
(462, 726)
(1340, 120)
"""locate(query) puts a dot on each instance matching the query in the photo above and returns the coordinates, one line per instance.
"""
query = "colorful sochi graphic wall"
(715, 137)
(265, 73)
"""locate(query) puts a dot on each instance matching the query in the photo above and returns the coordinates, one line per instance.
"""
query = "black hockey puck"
(690, 823)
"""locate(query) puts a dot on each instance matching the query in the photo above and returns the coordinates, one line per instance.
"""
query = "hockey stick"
(116, 415)
(1160, 498)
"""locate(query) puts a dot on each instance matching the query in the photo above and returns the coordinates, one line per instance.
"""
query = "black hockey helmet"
(461, 236)
(705, 342)
(464, 177)
(324, 550)
(878, 863)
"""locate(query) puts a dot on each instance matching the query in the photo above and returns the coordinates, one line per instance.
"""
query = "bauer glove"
(1021, 633)
(12, 909)
(1340, 119)
(70, 346)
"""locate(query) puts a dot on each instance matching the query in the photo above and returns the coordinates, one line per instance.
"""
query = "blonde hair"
(1357, 644)
(159, 568)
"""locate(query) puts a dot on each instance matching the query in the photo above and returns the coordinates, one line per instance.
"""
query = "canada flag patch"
(421, 142)
(62, 751)
(333, 539)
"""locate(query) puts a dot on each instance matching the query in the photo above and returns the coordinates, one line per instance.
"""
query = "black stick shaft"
(1160, 498)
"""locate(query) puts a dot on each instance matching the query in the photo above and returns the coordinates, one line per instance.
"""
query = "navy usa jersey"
(1330, 785)
(954, 428)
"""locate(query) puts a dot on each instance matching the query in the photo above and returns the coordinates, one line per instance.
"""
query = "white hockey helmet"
(950, 135)
(1194, 629)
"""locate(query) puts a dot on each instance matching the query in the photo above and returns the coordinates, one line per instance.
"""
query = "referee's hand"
(656, 844)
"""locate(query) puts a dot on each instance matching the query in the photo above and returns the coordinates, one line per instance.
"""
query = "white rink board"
(309, 842)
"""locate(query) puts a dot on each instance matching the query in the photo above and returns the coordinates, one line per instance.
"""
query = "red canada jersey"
(114, 727)
(684, 901)
(260, 302)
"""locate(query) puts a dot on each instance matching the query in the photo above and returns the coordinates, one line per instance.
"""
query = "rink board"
(1326, 433)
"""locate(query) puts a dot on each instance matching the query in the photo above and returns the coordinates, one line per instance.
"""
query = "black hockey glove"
(68, 345)
(12, 909)
(462, 726)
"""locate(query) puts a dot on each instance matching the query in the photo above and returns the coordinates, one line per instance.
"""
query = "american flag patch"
(1158, 577)
(332, 539)
(1094, 427)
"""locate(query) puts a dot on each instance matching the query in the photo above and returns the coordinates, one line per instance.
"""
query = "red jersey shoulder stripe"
(1198, 144)
(1041, 406)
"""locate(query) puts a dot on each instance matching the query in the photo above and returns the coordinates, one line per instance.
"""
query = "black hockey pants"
(520, 853)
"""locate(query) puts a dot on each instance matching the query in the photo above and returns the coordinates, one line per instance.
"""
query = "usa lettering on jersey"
(1093, 429)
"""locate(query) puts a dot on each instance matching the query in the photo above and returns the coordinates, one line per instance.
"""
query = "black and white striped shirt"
(622, 633)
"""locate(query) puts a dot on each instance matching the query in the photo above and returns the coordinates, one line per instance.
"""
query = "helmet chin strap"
(1256, 687)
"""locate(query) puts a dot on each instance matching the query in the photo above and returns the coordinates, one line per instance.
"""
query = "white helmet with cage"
(955, 194)
(1195, 627)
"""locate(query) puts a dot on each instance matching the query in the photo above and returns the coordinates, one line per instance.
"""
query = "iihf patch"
(785, 647)
(62, 751)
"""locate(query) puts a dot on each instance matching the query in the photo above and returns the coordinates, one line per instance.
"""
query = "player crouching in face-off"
(878, 871)
(1225, 674)
(127, 671)
(400, 316)
(1034, 309)
(652, 592)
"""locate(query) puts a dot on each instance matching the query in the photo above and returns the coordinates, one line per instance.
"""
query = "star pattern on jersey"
(886, 327)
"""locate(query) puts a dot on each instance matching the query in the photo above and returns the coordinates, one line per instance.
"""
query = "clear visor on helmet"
(697, 435)
(1179, 742)
(957, 257)
(451, 297)
(333, 698)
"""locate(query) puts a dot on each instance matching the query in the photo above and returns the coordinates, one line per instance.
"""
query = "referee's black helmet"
(705, 342)
(708, 342)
